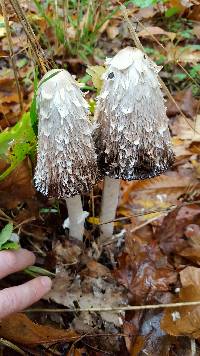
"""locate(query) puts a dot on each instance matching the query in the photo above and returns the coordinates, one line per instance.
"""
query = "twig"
(9, 37)
(12, 346)
(151, 211)
(35, 46)
(106, 309)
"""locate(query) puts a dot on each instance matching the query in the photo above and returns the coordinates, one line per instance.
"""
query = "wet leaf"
(171, 234)
(185, 320)
(20, 329)
(144, 270)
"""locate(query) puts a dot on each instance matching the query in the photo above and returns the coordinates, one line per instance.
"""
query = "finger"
(16, 299)
(13, 261)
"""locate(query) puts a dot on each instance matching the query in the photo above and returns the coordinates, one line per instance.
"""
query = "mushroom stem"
(109, 205)
(76, 217)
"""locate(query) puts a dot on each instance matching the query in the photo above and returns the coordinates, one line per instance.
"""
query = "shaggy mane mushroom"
(66, 159)
(132, 136)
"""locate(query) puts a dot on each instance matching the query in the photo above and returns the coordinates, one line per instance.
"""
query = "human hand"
(17, 298)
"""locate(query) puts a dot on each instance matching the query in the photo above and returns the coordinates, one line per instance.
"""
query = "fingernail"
(46, 282)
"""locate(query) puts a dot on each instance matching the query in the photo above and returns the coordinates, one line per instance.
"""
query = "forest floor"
(154, 256)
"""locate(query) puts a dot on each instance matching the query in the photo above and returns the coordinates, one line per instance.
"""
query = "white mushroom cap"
(132, 136)
(66, 160)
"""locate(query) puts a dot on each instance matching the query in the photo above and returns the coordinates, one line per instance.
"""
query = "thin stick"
(12, 346)
(9, 37)
(151, 211)
(127, 308)
(36, 48)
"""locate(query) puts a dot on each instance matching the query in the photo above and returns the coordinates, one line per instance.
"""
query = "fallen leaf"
(87, 293)
(181, 149)
(171, 234)
(145, 13)
(66, 253)
(185, 320)
(186, 101)
(190, 276)
(195, 13)
(187, 54)
(17, 187)
(143, 270)
(20, 329)
(187, 130)
(150, 31)
(192, 251)
(196, 31)
(112, 31)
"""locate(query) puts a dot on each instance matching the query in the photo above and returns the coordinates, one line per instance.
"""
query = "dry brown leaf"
(96, 270)
(145, 13)
(186, 131)
(76, 352)
(180, 149)
(195, 13)
(196, 31)
(89, 292)
(17, 187)
(182, 54)
(155, 30)
(185, 320)
(143, 270)
(190, 276)
(157, 193)
(192, 251)
(20, 329)
(67, 252)
(171, 235)
(186, 101)
(112, 31)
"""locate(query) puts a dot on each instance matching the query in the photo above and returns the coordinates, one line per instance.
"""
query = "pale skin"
(15, 299)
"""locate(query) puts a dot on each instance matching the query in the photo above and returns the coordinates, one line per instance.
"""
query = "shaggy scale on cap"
(66, 160)
(132, 136)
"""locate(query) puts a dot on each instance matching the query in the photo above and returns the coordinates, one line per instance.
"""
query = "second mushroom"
(132, 136)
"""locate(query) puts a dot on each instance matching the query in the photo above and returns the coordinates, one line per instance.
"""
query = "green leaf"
(179, 76)
(49, 77)
(35, 271)
(96, 73)
(5, 234)
(10, 246)
(18, 142)
(172, 11)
